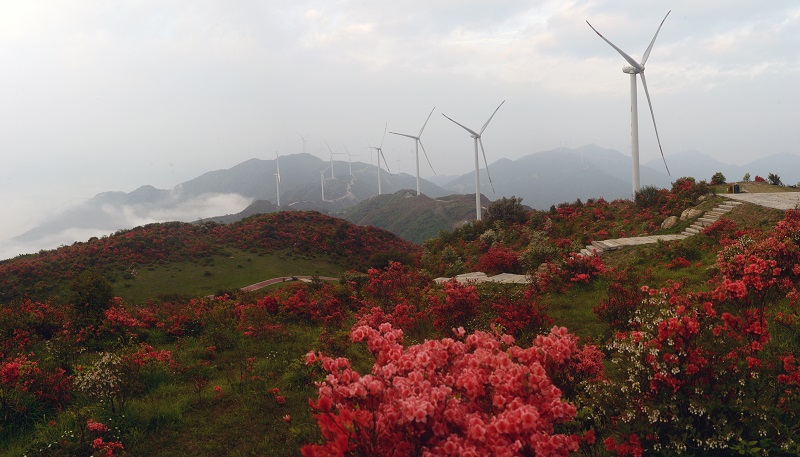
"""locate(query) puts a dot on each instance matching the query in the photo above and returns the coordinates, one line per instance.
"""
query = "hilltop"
(414, 217)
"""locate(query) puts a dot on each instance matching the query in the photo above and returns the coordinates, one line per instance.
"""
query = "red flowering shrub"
(759, 179)
(456, 308)
(520, 314)
(625, 297)
(721, 229)
(475, 395)
(499, 259)
(690, 365)
(678, 262)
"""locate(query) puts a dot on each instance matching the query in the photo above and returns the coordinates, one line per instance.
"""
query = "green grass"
(205, 277)
(573, 309)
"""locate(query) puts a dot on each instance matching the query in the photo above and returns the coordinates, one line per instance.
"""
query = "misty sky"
(111, 95)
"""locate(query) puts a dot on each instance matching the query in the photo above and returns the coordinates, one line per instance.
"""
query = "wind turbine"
(477, 137)
(332, 153)
(379, 152)
(349, 159)
(418, 143)
(278, 177)
(637, 68)
(322, 182)
(303, 137)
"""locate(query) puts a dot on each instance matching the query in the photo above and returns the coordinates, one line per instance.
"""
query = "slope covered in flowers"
(386, 362)
(519, 245)
(306, 232)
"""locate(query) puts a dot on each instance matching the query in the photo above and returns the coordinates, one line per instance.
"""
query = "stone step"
(692, 230)
(715, 213)
(587, 253)
(606, 245)
(707, 220)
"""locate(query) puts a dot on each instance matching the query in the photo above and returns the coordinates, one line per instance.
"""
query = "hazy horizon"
(104, 96)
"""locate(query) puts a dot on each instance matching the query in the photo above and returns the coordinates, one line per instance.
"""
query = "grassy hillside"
(679, 328)
(413, 217)
(234, 270)
(307, 235)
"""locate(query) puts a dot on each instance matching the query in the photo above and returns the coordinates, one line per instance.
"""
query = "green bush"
(648, 196)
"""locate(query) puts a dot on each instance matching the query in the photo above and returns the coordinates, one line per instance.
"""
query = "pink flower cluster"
(475, 395)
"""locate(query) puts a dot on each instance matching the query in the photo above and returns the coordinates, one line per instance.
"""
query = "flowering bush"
(499, 259)
(475, 395)
(457, 307)
(625, 297)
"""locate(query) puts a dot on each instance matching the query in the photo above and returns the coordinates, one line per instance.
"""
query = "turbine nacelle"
(631, 70)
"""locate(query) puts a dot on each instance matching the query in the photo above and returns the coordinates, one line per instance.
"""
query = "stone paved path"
(782, 201)
(707, 218)
(779, 200)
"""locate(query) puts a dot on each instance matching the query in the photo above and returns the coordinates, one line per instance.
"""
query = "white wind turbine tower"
(637, 68)
(349, 159)
(278, 177)
(303, 137)
(379, 152)
(418, 143)
(322, 182)
(477, 137)
(332, 153)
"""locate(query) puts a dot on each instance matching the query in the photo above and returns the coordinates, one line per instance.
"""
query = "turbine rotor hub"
(631, 70)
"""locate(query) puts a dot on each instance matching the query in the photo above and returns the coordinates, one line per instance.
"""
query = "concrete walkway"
(778, 200)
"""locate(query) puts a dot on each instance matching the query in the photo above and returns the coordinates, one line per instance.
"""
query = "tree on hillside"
(91, 294)
(746, 177)
(718, 178)
(648, 196)
(774, 179)
(507, 210)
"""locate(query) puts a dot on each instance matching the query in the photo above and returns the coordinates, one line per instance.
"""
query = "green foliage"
(718, 178)
(508, 210)
(91, 294)
(774, 179)
(540, 249)
(746, 177)
(648, 197)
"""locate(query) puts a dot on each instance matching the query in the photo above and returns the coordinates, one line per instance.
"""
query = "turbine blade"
(650, 104)
(630, 59)
(384, 133)
(650, 48)
(426, 155)
(329, 147)
(490, 117)
(463, 127)
(487, 164)
(403, 134)
(380, 153)
(426, 122)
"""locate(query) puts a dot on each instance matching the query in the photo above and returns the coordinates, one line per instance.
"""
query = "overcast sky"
(112, 95)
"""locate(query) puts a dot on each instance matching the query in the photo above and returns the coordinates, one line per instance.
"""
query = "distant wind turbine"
(303, 137)
(278, 177)
(637, 68)
(331, 151)
(322, 182)
(349, 159)
(477, 137)
(379, 152)
(418, 143)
